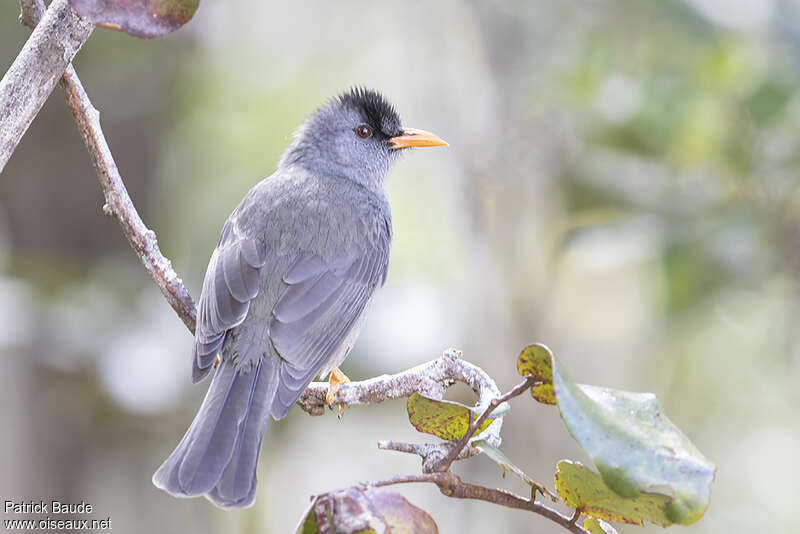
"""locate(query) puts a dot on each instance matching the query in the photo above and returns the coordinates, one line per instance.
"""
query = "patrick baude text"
(47, 507)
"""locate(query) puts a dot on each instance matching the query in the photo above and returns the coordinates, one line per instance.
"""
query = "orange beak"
(416, 138)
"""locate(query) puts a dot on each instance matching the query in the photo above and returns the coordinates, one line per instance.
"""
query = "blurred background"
(621, 185)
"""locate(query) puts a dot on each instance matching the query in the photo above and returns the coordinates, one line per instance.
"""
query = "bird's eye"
(364, 131)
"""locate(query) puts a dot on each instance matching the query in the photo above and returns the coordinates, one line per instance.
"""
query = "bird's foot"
(335, 381)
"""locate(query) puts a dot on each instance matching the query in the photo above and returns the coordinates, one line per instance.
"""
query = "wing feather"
(300, 300)
(318, 310)
(231, 282)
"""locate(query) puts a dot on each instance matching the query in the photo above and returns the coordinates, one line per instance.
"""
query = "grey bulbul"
(285, 291)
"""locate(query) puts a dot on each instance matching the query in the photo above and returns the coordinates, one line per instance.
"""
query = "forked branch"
(438, 471)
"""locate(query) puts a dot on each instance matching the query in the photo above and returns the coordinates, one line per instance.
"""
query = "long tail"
(218, 455)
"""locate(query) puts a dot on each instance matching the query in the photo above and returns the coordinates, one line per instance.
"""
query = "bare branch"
(34, 73)
(451, 485)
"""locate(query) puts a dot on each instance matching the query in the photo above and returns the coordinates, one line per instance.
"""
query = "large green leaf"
(583, 489)
(633, 444)
(365, 511)
(444, 419)
(140, 18)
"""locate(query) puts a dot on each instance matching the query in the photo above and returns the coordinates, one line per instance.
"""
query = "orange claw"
(335, 381)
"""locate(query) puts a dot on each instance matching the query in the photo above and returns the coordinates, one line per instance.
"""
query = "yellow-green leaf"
(444, 419)
(598, 526)
(536, 360)
(583, 489)
(308, 524)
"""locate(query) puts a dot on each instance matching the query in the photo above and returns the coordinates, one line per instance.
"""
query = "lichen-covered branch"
(429, 379)
(118, 203)
(30, 12)
(36, 70)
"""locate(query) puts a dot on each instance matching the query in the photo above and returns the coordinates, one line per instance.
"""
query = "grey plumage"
(285, 291)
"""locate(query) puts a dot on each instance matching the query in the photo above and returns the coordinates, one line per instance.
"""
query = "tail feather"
(237, 484)
(219, 453)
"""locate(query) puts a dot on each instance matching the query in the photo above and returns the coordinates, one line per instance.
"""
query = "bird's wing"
(316, 312)
(231, 282)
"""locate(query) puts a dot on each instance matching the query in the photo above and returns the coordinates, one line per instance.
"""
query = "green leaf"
(635, 446)
(365, 511)
(145, 19)
(444, 419)
(582, 489)
(308, 524)
(502, 460)
(598, 526)
(536, 360)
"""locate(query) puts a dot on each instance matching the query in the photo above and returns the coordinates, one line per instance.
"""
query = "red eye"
(364, 131)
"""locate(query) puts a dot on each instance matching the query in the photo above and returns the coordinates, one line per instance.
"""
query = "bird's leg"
(335, 381)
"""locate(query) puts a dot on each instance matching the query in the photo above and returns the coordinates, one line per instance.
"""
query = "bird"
(286, 289)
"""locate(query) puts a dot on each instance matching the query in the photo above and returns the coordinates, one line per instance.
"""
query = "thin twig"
(431, 453)
(422, 449)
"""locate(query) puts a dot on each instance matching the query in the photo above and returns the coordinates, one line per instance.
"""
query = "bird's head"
(357, 135)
